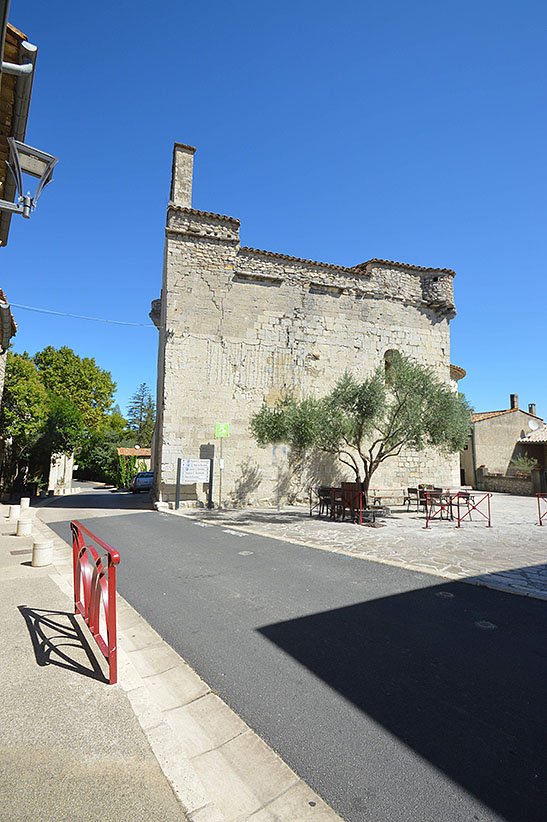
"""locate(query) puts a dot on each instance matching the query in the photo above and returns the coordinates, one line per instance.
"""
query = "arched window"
(389, 357)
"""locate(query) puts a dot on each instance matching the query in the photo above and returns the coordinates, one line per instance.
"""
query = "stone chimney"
(514, 398)
(532, 408)
(181, 175)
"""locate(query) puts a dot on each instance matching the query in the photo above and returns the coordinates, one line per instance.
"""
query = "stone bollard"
(25, 503)
(42, 553)
(24, 527)
(14, 513)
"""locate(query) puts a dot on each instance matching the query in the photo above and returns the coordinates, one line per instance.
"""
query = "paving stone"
(176, 687)
(154, 659)
(205, 724)
(138, 636)
(298, 803)
(247, 775)
(207, 814)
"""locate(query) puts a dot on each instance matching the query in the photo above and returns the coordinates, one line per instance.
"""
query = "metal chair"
(324, 494)
(353, 500)
(411, 497)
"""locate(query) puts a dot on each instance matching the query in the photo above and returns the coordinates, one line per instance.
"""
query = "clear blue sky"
(337, 132)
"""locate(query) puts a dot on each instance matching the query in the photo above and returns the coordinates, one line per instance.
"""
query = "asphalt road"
(395, 696)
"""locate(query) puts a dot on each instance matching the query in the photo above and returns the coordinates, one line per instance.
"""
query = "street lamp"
(28, 160)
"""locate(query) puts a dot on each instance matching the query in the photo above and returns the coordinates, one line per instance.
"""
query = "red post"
(541, 498)
(98, 580)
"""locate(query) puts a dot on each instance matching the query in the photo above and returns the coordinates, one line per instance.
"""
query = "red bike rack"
(95, 586)
(457, 506)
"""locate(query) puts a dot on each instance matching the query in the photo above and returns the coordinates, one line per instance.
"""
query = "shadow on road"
(458, 674)
(104, 498)
(57, 639)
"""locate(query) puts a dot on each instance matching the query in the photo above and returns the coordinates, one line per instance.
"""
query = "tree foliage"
(23, 414)
(64, 430)
(52, 403)
(364, 423)
(141, 415)
(24, 402)
(90, 388)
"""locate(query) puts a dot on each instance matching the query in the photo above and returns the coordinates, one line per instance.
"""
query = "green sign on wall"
(222, 429)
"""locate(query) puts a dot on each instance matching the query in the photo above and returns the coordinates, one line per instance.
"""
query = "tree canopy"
(52, 403)
(80, 380)
(364, 423)
(141, 415)
(24, 402)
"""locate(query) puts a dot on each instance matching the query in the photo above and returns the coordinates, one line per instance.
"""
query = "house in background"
(534, 446)
(142, 457)
(496, 438)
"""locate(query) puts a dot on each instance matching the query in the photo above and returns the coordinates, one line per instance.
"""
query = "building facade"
(238, 326)
(496, 438)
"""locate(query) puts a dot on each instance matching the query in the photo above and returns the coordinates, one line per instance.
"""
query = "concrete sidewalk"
(159, 745)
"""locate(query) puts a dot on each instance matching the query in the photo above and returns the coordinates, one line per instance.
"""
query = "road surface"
(395, 695)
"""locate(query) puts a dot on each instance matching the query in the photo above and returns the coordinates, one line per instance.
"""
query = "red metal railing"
(438, 503)
(541, 498)
(457, 506)
(95, 586)
(471, 503)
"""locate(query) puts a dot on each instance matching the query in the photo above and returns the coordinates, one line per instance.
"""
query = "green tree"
(365, 423)
(98, 456)
(64, 429)
(141, 415)
(81, 381)
(117, 422)
(23, 414)
(63, 433)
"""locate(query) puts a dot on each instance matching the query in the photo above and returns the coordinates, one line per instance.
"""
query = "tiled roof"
(457, 372)
(134, 452)
(355, 269)
(539, 436)
(186, 210)
(4, 299)
(487, 414)
(298, 259)
(405, 265)
(17, 32)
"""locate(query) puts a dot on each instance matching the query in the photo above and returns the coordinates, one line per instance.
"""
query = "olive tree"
(363, 423)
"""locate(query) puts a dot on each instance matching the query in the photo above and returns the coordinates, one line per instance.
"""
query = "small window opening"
(389, 358)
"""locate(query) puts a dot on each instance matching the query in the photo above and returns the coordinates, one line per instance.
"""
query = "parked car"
(142, 481)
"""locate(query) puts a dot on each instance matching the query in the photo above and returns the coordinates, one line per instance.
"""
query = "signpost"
(190, 471)
(195, 471)
(222, 429)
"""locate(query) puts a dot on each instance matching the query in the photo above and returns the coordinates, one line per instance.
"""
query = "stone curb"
(218, 767)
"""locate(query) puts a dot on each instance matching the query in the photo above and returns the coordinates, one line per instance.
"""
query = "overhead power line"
(78, 316)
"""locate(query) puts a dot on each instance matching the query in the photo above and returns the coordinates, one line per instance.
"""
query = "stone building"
(238, 325)
(496, 438)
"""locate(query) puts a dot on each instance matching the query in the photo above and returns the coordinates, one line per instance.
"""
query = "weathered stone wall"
(238, 325)
(521, 486)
